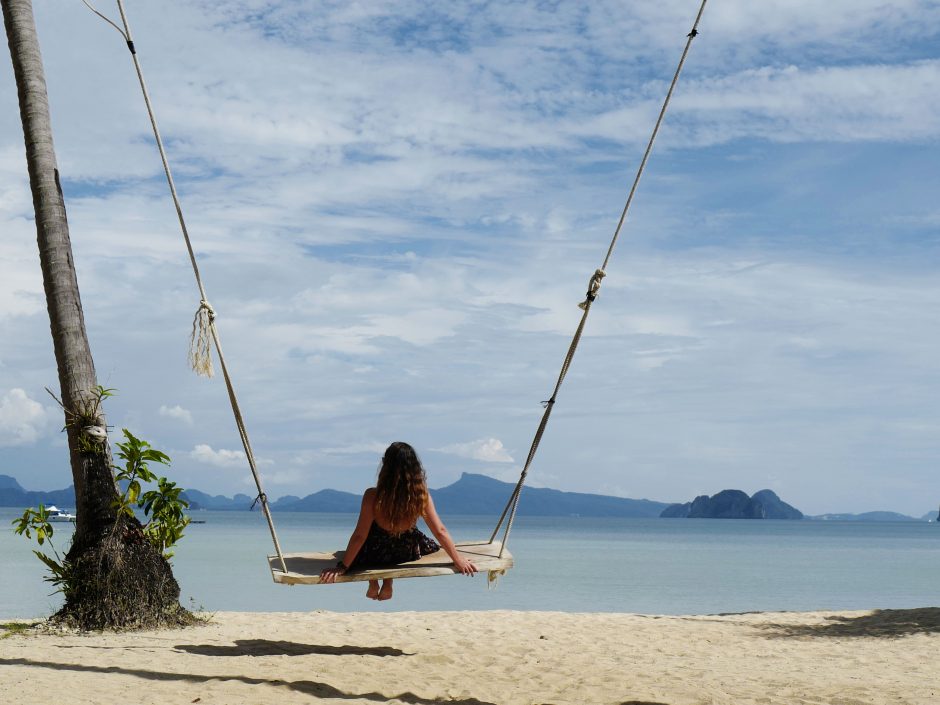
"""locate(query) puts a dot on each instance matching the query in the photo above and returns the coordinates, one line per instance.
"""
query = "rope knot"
(200, 355)
(593, 287)
(205, 305)
(262, 497)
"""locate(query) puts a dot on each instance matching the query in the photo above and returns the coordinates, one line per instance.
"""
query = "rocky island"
(734, 504)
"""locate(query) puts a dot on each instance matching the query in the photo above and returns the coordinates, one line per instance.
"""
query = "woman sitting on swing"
(386, 533)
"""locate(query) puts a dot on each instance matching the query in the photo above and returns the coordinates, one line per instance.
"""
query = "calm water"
(657, 566)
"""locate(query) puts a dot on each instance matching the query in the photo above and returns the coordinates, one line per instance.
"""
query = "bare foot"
(373, 592)
(386, 592)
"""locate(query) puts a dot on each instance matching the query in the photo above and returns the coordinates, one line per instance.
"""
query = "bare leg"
(373, 592)
(386, 592)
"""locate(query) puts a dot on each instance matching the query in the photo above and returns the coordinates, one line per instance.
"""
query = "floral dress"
(383, 548)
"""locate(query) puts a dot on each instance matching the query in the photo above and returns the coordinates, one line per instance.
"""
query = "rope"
(659, 121)
(593, 287)
(204, 329)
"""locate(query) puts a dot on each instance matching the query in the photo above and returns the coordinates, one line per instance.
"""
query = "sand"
(473, 658)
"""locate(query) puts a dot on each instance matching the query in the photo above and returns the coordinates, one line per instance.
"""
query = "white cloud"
(488, 450)
(20, 279)
(177, 412)
(220, 458)
(291, 477)
(374, 448)
(22, 420)
(882, 102)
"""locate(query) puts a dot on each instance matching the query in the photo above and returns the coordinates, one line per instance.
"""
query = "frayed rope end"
(200, 341)
(492, 578)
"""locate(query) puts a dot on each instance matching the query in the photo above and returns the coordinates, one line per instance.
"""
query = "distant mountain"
(322, 501)
(471, 494)
(479, 494)
(200, 500)
(734, 504)
(13, 495)
(9, 483)
(931, 516)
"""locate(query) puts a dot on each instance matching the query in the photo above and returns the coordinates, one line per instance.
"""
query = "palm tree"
(116, 578)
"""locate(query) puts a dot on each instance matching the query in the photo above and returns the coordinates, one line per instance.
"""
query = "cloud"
(220, 458)
(22, 420)
(869, 102)
(291, 477)
(488, 450)
(375, 448)
(177, 412)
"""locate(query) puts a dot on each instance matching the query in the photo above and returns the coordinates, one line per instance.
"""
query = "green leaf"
(104, 393)
(155, 456)
(59, 572)
(133, 492)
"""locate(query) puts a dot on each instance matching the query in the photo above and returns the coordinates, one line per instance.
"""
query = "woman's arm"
(359, 535)
(447, 543)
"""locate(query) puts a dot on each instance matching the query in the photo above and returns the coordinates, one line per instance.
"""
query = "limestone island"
(734, 504)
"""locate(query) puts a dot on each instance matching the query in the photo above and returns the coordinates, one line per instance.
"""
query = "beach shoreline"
(500, 657)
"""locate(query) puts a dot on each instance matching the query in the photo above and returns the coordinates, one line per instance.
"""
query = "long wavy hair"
(401, 492)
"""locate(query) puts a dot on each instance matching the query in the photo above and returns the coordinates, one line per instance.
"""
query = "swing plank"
(305, 568)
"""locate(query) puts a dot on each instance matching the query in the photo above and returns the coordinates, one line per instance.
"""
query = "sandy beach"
(501, 657)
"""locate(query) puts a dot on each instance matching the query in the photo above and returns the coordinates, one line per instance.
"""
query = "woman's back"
(381, 519)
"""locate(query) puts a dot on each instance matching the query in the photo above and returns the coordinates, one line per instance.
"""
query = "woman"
(386, 533)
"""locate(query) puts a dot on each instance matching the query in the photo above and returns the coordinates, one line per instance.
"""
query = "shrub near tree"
(158, 500)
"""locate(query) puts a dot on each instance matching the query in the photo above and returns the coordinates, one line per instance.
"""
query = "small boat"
(53, 513)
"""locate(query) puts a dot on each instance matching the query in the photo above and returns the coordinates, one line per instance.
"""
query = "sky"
(397, 207)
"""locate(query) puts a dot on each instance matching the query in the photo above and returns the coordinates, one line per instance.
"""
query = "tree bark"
(94, 483)
(95, 547)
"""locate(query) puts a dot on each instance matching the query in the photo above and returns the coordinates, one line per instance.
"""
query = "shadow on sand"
(880, 623)
(316, 689)
(265, 647)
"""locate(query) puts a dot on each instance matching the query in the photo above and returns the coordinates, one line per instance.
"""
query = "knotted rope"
(585, 306)
(204, 328)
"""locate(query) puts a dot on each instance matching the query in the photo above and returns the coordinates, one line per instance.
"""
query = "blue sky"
(397, 207)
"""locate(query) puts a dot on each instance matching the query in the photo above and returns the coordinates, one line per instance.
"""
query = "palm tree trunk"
(94, 484)
(95, 490)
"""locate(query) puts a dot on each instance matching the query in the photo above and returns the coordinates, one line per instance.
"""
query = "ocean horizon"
(566, 564)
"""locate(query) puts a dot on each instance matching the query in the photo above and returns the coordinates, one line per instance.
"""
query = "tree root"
(120, 582)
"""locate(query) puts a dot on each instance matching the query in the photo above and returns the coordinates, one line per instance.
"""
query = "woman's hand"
(329, 575)
(464, 566)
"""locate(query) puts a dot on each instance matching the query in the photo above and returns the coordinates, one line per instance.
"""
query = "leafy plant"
(162, 505)
(37, 521)
(86, 418)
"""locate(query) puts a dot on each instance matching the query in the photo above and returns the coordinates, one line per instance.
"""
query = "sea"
(566, 564)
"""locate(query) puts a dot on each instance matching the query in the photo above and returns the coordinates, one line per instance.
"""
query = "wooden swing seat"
(305, 568)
